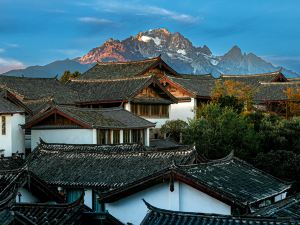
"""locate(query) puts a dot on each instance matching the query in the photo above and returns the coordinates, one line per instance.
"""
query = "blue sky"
(36, 32)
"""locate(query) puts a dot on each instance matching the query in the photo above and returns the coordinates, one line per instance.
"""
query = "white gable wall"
(183, 198)
(67, 136)
(13, 140)
(183, 110)
(18, 134)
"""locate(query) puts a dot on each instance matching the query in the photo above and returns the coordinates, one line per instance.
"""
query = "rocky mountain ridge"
(174, 48)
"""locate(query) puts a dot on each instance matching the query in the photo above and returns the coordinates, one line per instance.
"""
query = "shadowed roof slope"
(104, 167)
(7, 107)
(117, 90)
(230, 180)
(156, 216)
(274, 90)
(115, 70)
(289, 207)
(53, 214)
(26, 88)
(236, 179)
(255, 79)
(196, 84)
(92, 118)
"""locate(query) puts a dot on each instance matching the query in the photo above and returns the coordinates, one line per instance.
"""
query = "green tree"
(219, 130)
(67, 75)
(174, 128)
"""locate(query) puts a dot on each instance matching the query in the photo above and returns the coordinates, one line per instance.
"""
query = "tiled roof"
(10, 180)
(156, 216)
(230, 180)
(7, 106)
(52, 214)
(236, 179)
(199, 86)
(95, 118)
(117, 89)
(113, 70)
(274, 90)
(11, 163)
(38, 88)
(100, 167)
(104, 90)
(288, 207)
(254, 79)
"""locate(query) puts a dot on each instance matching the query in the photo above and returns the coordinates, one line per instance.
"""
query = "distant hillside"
(51, 69)
(174, 48)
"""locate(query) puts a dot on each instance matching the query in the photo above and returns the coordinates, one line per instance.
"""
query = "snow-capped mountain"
(180, 53)
(174, 48)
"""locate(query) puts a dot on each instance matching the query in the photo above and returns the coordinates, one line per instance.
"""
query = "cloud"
(12, 45)
(56, 11)
(68, 52)
(142, 10)
(93, 20)
(7, 64)
(282, 58)
(170, 14)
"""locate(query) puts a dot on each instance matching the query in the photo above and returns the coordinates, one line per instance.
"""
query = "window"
(3, 126)
(138, 136)
(155, 110)
(151, 110)
(103, 137)
(126, 136)
(116, 136)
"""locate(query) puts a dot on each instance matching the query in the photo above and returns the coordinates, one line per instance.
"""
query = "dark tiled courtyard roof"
(52, 214)
(230, 180)
(156, 216)
(200, 87)
(104, 90)
(26, 88)
(289, 207)
(102, 168)
(95, 118)
(113, 70)
(274, 91)
(236, 179)
(255, 79)
(162, 144)
(7, 106)
(117, 89)
(11, 163)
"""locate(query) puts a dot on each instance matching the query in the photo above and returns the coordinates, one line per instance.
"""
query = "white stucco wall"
(183, 110)
(18, 134)
(183, 198)
(158, 122)
(26, 196)
(13, 140)
(67, 136)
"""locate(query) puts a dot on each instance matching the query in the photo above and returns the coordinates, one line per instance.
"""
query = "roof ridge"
(109, 151)
(250, 75)
(90, 109)
(128, 62)
(279, 83)
(109, 80)
(215, 215)
(33, 78)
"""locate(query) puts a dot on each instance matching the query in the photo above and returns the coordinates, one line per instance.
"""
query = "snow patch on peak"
(145, 38)
(156, 40)
(181, 51)
(214, 62)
